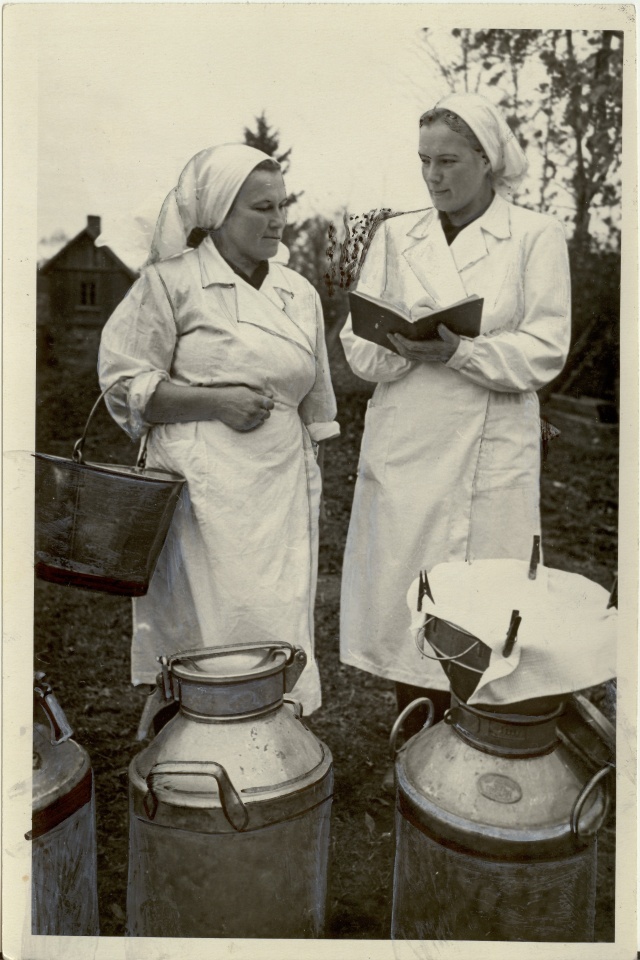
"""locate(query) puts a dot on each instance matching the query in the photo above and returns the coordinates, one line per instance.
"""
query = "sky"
(127, 94)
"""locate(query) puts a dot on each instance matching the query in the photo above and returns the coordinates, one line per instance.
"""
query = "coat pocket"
(379, 425)
(510, 445)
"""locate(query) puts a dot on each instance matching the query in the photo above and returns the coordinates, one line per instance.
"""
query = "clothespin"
(512, 633)
(424, 590)
(613, 596)
(535, 558)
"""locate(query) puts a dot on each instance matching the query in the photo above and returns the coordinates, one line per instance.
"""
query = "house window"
(88, 294)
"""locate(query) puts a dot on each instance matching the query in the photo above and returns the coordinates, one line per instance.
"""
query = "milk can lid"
(57, 768)
(233, 662)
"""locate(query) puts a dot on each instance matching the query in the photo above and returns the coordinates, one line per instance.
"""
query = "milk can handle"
(79, 444)
(581, 800)
(395, 729)
(232, 806)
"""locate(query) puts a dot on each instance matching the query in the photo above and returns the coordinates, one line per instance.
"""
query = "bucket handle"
(400, 719)
(232, 806)
(442, 658)
(581, 800)
(78, 446)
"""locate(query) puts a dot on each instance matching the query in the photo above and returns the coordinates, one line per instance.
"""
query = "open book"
(373, 319)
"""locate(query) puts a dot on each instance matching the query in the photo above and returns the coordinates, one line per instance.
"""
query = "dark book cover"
(374, 319)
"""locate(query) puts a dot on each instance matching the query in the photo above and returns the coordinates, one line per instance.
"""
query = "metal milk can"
(230, 802)
(498, 810)
(64, 892)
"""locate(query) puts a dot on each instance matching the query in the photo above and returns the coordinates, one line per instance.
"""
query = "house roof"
(92, 230)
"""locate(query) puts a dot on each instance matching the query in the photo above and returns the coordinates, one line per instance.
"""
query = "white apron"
(240, 560)
(449, 468)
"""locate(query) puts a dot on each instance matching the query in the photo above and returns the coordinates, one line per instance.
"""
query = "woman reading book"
(450, 460)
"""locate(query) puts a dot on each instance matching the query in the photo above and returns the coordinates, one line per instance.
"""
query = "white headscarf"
(507, 159)
(203, 196)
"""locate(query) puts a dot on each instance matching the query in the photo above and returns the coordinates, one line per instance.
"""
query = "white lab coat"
(240, 560)
(450, 459)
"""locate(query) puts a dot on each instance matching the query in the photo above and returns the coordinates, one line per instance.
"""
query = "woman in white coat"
(450, 460)
(220, 357)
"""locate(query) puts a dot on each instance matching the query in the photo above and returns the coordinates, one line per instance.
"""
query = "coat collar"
(438, 266)
(495, 220)
(214, 269)
(245, 303)
(278, 278)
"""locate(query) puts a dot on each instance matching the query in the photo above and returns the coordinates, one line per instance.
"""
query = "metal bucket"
(464, 658)
(99, 525)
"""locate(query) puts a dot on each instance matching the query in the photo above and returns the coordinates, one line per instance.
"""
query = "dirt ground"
(82, 642)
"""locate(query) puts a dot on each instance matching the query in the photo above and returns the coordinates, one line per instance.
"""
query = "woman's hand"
(241, 408)
(427, 351)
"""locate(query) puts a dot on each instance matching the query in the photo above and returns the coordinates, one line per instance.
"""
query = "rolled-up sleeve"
(526, 359)
(318, 409)
(369, 360)
(136, 351)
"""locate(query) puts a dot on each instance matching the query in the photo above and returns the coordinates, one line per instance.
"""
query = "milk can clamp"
(61, 729)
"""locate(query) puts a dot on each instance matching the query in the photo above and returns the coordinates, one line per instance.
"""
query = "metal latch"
(61, 729)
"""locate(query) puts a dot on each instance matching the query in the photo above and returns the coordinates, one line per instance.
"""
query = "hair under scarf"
(507, 159)
(203, 196)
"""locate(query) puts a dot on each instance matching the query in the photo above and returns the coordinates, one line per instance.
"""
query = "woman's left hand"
(427, 351)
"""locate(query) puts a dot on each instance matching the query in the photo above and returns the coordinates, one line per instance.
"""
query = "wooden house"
(78, 289)
(82, 284)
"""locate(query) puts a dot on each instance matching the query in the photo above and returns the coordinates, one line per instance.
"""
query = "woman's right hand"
(240, 407)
